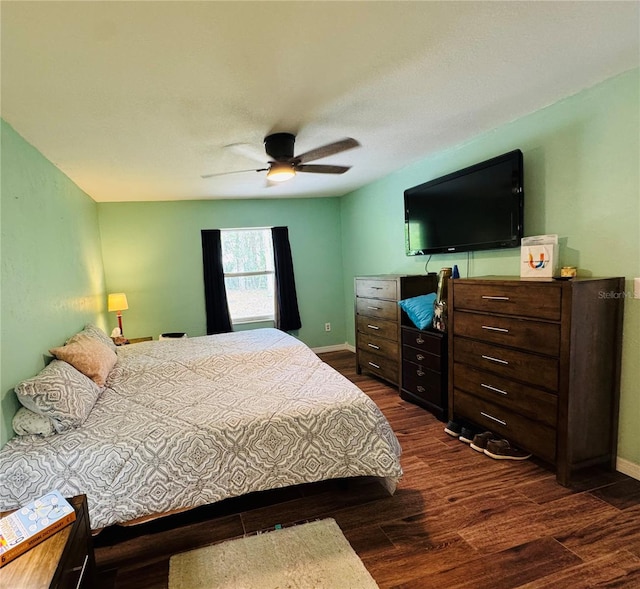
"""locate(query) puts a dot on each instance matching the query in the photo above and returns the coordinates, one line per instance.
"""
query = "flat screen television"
(477, 208)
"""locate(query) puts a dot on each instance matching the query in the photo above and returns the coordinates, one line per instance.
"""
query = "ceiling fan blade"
(234, 172)
(327, 150)
(320, 169)
(247, 150)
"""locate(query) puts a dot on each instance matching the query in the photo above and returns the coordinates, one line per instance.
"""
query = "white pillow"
(26, 422)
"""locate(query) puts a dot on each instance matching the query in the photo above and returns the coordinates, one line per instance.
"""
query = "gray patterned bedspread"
(193, 421)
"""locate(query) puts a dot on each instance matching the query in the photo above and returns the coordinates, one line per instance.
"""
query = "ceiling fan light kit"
(283, 165)
(281, 171)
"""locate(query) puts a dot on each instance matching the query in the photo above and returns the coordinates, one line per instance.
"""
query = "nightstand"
(65, 560)
(123, 341)
(137, 340)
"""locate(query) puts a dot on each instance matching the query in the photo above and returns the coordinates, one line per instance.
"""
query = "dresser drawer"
(535, 437)
(379, 327)
(422, 341)
(386, 368)
(421, 358)
(525, 334)
(377, 289)
(529, 300)
(377, 308)
(525, 400)
(422, 383)
(377, 345)
(510, 364)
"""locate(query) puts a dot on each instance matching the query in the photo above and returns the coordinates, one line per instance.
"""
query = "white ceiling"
(136, 100)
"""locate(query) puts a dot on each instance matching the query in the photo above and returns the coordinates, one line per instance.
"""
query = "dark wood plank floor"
(458, 519)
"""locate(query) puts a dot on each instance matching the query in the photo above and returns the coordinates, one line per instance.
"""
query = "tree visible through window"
(247, 259)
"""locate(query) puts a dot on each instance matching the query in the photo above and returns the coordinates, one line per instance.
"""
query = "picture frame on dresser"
(537, 361)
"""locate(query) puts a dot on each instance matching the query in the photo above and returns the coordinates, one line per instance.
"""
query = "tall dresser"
(378, 320)
(538, 362)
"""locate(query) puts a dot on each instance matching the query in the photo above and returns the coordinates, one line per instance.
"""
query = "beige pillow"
(91, 330)
(89, 356)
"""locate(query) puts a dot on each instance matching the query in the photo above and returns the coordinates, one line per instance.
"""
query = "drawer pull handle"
(373, 327)
(419, 340)
(420, 389)
(495, 298)
(493, 418)
(494, 389)
(84, 568)
(500, 329)
(376, 287)
(374, 365)
(420, 372)
(374, 308)
(419, 357)
(492, 359)
(374, 346)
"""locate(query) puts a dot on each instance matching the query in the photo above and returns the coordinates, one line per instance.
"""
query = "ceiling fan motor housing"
(279, 146)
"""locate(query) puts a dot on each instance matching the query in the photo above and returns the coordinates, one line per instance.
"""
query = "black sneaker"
(467, 435)
(479, 442)
(502, 450)
(453, 429)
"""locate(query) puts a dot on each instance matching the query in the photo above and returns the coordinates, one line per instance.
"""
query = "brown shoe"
(479, 442)
(502, 450)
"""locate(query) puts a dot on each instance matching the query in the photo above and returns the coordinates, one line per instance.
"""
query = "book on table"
(28, 526)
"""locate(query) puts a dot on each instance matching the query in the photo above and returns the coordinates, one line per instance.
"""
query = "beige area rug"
(315, 555)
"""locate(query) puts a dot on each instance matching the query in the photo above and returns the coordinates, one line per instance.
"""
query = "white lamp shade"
(280, 172)
(117, 301)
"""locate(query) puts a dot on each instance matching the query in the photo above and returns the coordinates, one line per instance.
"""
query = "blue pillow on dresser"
(419, 309)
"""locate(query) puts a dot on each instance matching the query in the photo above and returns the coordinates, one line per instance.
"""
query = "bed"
(182, 423)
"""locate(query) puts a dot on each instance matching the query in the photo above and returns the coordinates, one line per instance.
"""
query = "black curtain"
(287, 314)
(215, 293)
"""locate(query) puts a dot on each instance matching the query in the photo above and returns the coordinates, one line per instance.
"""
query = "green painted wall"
(52, 275)
(152, 252)
(582, 162)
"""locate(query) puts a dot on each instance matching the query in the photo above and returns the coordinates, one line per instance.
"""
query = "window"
(247, 260)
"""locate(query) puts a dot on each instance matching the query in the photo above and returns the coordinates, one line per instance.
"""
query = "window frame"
(253, 318)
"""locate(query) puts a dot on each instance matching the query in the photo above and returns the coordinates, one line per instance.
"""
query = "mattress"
(188, 422)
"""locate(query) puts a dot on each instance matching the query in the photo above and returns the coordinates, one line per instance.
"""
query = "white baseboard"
(336, 348)
(629, 468)
(350, 347)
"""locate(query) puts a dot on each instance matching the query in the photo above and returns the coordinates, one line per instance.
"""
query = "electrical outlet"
(327, 326)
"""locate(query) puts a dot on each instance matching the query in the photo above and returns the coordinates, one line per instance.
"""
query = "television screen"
(479, 207)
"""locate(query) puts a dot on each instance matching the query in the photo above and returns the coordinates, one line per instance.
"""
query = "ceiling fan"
(283, 165)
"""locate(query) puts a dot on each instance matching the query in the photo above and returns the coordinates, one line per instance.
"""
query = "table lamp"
(117, 302)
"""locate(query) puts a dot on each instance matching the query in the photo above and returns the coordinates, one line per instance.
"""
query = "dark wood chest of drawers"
(538, 362)
(424, 369)
(378, 320)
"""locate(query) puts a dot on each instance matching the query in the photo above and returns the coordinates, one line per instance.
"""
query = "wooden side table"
(120, 341)
(63, 561)
(137, 340)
